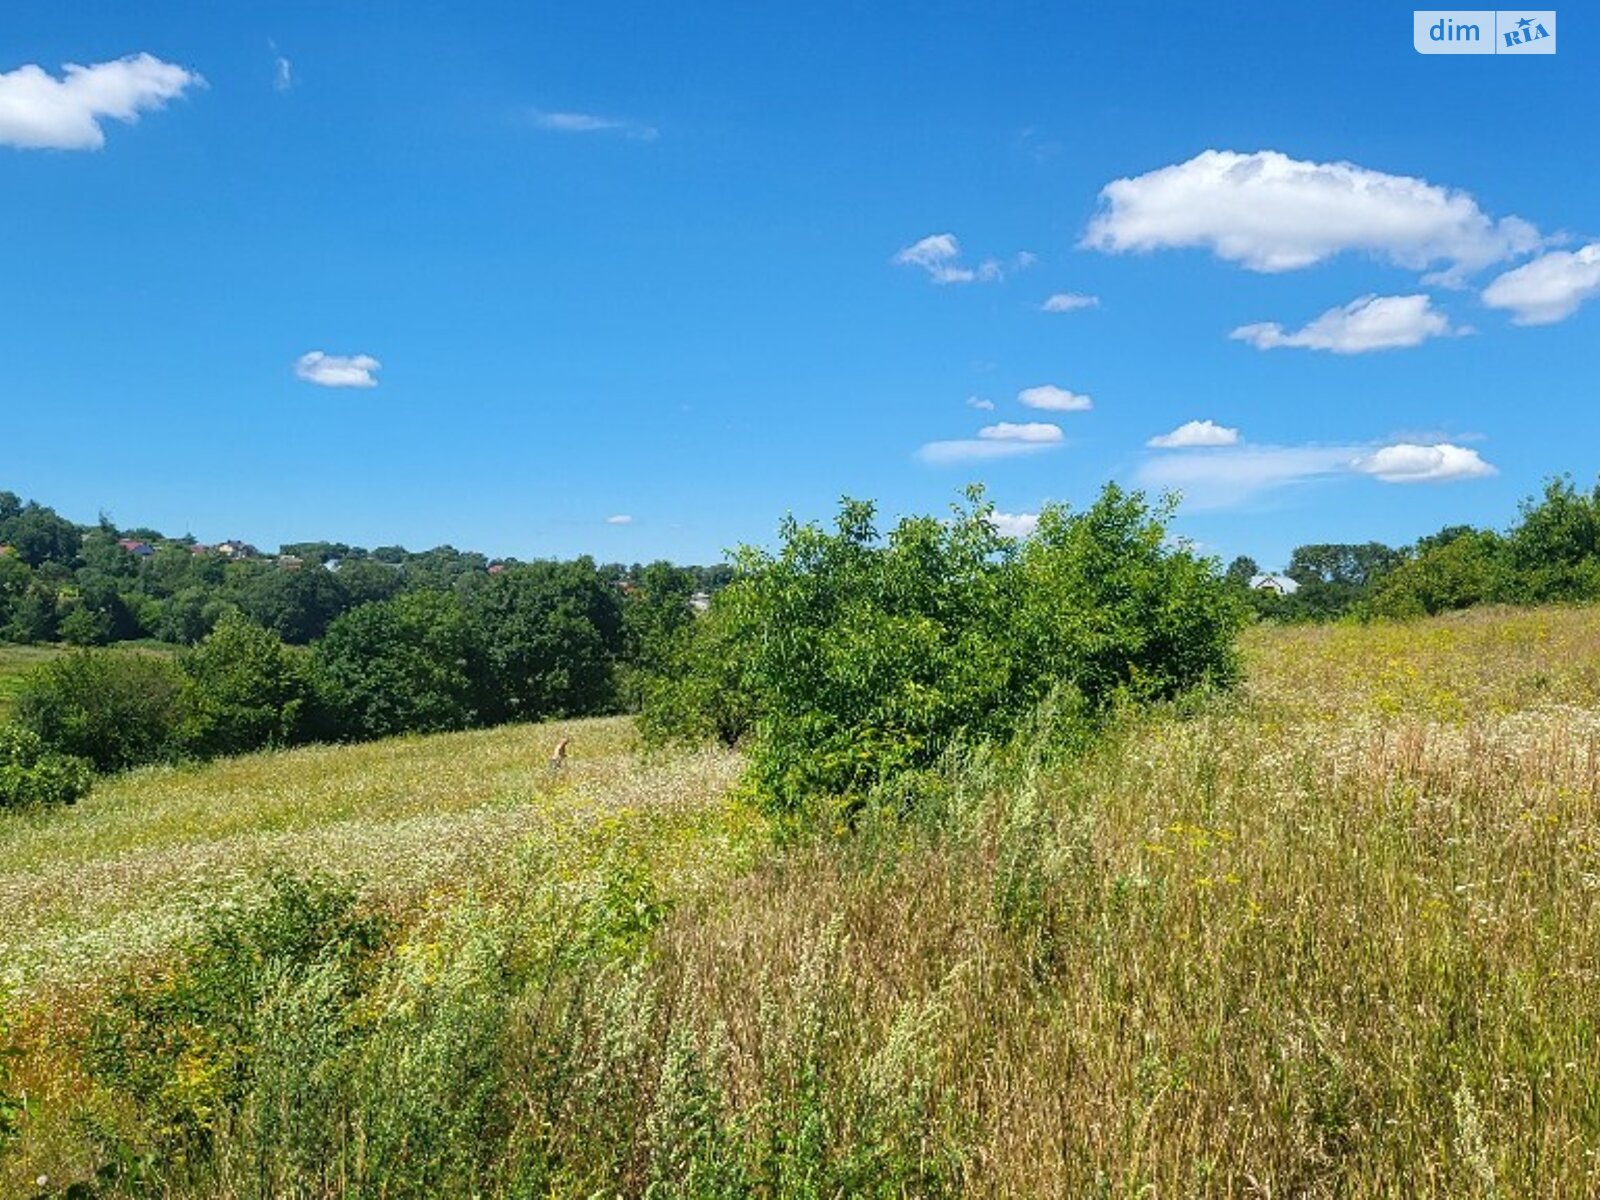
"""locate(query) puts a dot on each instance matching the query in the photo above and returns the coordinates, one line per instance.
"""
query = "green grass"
(15, 663)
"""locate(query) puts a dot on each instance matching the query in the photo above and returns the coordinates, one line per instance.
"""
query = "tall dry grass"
(1336, 935)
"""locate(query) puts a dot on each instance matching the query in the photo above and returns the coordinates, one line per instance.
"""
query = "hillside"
(1338, 933)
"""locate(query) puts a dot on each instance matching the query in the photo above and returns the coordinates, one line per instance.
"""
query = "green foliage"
(698, 692)
(115, 708)
(246, 691)
(13, 1105)
(550, 633)
(1470, 567)
(33, 775)
(411, 664)
(1555, 548)
(184, 1042)
(866, 658)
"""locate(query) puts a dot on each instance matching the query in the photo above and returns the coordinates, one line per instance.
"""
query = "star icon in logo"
(1525, 22)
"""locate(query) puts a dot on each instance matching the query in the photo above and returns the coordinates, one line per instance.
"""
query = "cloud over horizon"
(1054, 399)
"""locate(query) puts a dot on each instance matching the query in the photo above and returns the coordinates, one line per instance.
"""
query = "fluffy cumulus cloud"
(40, 111)
(1003, 440)
(1269, 212)
(1549, 288)
(1365, 324)
(580, 122)
(338, 370)
(1014, 525)
(1408, 463)
(1196, 433)
(1062, 302)
(1054, 399)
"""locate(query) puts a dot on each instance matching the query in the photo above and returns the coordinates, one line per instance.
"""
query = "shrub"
(31, 774)
(863, 657)
(115, 708)
(247, 690)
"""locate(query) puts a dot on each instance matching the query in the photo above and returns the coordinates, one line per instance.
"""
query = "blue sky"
(699, 266)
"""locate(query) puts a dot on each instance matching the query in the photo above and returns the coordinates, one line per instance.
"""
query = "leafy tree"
(116, 708)
(33, 614)
(38, 534)
(1555, 548)
(411, 664)
(297, 605)
(1241, 571)
(552, 632)
(247, 690)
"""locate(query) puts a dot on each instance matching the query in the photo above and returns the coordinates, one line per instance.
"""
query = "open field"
(1335, 935)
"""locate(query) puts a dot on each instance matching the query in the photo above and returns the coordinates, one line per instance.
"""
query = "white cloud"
(1366, 324)
(980, 403)
(1196, 433)
(337, 370)
(577, 122)
(1408, 463)
(619, 519)
(939, 254)
(282, 74)
(1269, 212)
(1549, 288)
(1048, 396)
(1028, 431)
(1003, 440)
(1231, 476)
(1069, 302)
(39, 111)
(1227, 477)
(1014, 525)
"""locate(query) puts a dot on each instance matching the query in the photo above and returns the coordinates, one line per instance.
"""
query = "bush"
(31, 774)
(863, 658)
(116, 708)
(247, 690)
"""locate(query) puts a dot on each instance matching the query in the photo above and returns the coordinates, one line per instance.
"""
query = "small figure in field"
(558, 756)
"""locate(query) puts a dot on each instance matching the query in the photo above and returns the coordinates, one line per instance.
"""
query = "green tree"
(1241, 571)
(1468, 568)
(411, 664)
(1555, 547)
(552, 633)
(247, 690)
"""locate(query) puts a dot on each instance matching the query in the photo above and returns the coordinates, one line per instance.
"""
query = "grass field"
(1335, 935)
(15, 662)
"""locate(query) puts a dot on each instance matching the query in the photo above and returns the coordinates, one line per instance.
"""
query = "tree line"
(1550, 554)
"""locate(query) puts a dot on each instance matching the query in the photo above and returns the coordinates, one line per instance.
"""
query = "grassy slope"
(1339, 934)
(120, 873)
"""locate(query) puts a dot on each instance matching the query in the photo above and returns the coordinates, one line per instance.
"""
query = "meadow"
(16, 662)
(1336, 933)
